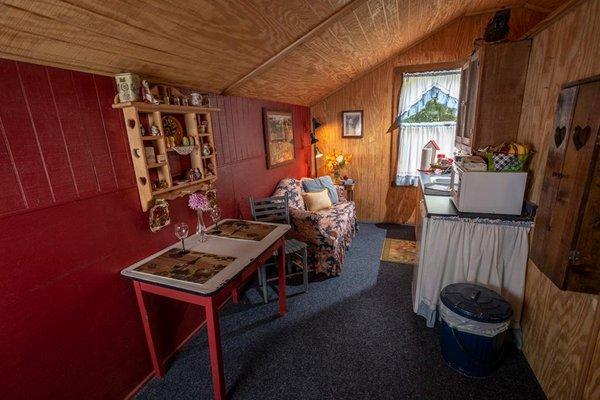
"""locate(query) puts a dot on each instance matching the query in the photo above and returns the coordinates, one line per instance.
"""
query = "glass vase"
(337, 176)
(201, 228)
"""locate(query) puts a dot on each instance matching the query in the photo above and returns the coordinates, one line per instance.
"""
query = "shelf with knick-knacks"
(172, 149)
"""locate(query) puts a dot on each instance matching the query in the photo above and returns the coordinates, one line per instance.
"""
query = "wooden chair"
(275, 209)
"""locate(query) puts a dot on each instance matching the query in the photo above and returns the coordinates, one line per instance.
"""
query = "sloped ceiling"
(295, 51)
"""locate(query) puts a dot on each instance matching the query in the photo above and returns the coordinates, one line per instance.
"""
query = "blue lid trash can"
(474, 325)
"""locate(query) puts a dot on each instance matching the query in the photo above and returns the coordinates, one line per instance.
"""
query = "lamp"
(313, 141)
(315, 125)
(313, 138)
(318, 153)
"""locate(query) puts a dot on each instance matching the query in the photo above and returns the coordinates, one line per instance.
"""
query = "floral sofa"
(328, 233)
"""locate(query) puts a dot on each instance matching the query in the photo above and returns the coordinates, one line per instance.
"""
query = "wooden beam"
(556, 14)
(307, 36)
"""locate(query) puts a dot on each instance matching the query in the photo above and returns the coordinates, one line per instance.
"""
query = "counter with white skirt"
(456, 248)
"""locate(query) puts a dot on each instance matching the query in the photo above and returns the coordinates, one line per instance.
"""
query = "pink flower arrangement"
(198, 202)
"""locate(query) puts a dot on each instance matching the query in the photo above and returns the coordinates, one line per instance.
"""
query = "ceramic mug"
(195, 99)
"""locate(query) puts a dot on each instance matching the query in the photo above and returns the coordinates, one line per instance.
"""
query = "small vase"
(337, 177)
(201, 228)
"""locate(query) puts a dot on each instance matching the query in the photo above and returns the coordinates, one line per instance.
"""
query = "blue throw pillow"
(320, 183)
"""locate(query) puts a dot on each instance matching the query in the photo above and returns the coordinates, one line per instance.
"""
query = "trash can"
(474, 325)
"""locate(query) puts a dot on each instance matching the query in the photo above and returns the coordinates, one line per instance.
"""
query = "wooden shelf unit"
(134, 114)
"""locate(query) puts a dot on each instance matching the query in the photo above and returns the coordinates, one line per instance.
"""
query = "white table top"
(245, 252)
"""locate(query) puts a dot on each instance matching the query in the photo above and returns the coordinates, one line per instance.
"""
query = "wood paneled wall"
(373, 156)
(560, 328)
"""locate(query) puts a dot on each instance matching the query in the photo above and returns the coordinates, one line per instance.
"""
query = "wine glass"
(181, 231)
(215, 215)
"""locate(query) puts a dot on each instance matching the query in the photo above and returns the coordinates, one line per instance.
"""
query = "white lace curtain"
(417, 90)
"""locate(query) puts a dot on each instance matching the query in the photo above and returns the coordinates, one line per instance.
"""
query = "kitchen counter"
(439, 203)
(488, 249)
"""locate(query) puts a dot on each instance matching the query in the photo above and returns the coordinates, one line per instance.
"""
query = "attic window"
(428, 108)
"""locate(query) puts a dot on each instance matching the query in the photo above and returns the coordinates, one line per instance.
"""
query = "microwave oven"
(487, 192)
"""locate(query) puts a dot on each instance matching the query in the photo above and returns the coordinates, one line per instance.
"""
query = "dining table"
(208, 274)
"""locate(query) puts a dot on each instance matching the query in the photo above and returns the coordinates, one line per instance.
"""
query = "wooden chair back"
(270, 209)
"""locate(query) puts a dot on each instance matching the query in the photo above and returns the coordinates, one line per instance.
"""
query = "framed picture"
(352, 124)
(279, 137)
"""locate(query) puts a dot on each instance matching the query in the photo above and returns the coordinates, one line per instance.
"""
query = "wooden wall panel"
(372, 155)
(591, 389)
(558, 327)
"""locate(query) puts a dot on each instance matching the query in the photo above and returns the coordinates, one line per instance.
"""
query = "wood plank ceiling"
(295, 51)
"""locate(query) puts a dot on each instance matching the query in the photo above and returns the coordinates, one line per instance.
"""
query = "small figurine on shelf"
(142, 130)
(176, 101)
(194, 174)
(147, 94)
(206, 150)
(154, 131)
(160, 184)
(211, 169)
(203, 126)
(185, 101)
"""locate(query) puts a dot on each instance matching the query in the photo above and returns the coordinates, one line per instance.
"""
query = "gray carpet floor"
(350, 337)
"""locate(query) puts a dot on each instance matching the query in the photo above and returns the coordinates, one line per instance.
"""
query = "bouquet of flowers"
(198, 202)
(335, 162)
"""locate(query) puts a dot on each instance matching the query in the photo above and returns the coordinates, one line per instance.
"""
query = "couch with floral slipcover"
(328, 233)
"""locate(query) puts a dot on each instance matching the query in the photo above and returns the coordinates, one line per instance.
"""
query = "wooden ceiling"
(295, 51)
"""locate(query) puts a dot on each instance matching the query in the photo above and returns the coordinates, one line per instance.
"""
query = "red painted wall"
(70, 220)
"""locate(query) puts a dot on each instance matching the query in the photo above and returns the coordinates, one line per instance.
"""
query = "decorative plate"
(159, 216)
(172, 127)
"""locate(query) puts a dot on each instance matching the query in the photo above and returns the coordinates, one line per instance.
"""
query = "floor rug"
(399, 251)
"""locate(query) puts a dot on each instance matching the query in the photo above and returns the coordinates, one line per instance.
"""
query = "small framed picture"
(352, 124)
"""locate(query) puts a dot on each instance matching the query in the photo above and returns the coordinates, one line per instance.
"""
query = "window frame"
(396, 87)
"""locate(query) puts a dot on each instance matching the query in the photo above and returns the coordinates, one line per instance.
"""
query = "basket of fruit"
(508, 157)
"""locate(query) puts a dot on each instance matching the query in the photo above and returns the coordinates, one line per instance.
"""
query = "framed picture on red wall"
(279, 137)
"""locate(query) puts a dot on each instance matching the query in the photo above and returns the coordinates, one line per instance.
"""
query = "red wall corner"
(70, 220)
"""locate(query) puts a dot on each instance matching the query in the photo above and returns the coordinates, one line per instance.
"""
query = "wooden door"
(554, 163)
(581, 162)
(568, 224)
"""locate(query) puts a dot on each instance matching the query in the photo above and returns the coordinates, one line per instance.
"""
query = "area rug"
(399, 251)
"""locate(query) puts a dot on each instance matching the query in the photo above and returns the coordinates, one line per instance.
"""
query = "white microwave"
(487, 192)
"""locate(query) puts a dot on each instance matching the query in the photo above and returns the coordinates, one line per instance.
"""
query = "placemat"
(195, 266)
(240, 229)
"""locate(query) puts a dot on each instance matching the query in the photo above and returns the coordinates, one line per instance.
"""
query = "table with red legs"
(248, 255)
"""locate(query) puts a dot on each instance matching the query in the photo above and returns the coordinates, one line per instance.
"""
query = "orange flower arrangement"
(335, 162)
